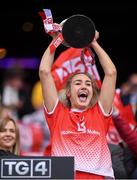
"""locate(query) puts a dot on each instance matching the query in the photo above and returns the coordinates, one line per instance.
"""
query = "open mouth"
(82, 96)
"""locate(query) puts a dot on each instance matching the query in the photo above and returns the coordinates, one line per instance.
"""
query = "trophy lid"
(78, 31)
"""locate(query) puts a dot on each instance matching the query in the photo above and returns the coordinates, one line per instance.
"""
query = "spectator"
(14, 94)
(9, 137)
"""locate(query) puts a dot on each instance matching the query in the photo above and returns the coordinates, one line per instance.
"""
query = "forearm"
(104, 59)
(109, 80)
(46, 62)
(47, 82)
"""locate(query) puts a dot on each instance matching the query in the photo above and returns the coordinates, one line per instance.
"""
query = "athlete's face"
(81, 91)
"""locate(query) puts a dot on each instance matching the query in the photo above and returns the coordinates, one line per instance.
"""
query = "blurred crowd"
(25, 105)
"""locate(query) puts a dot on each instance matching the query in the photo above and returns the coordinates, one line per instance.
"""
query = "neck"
(6, 149)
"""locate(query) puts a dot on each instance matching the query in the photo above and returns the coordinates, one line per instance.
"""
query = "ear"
(68, 93)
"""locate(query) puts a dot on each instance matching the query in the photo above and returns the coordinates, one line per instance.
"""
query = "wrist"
(93, 44)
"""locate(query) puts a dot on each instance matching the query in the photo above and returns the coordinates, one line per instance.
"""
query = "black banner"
(36, 167)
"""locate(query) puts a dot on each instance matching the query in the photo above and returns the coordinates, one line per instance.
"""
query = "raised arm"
(47, 82)
(108, 85)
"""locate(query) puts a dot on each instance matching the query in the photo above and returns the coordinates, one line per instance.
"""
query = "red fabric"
(31, 138)
(126, 111)
(70, 62)
(38, 137)
(47, 151)
(83, 175)
(113, 135)
(42, 14)
(74, 133)
(56, 42)
(128, 134)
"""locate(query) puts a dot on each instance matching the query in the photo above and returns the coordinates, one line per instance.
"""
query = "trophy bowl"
(78, 31)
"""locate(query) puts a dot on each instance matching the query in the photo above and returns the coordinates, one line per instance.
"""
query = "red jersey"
(82, 135)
